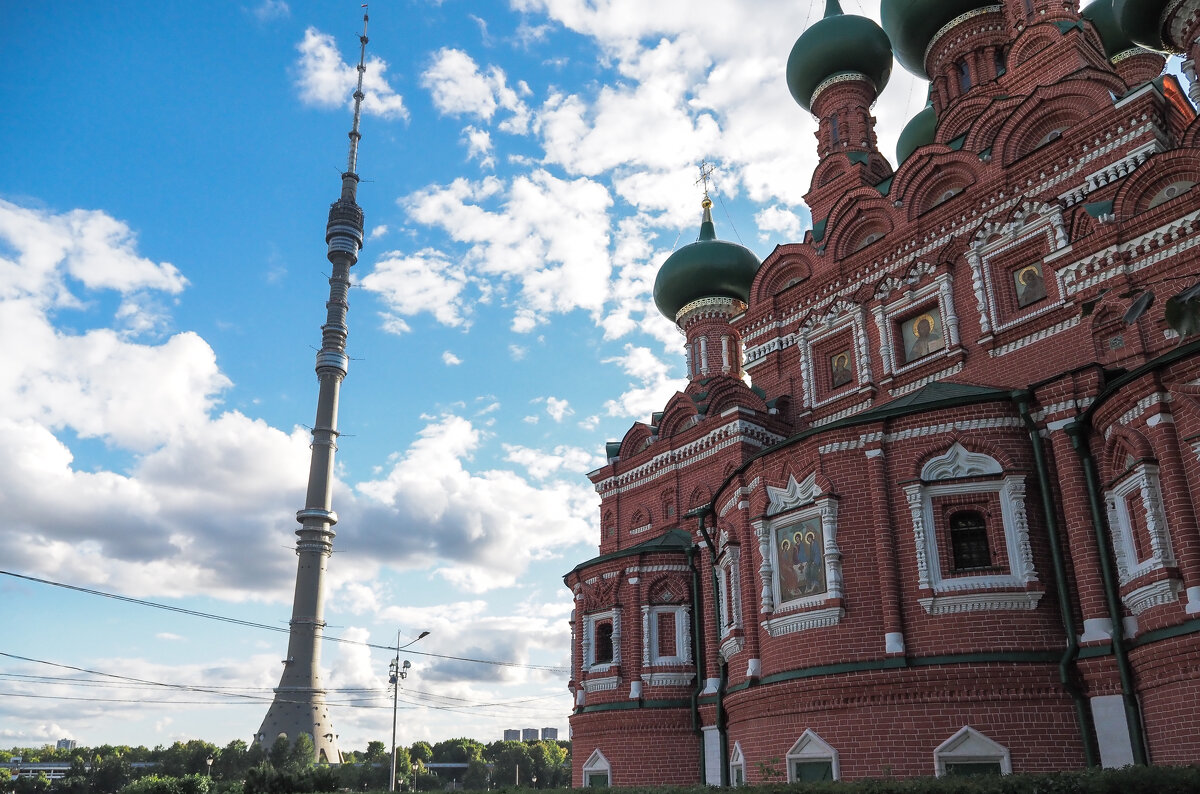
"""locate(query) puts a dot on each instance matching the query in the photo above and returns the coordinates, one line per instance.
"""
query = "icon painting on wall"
(1030, 286)
(839, 369)
(801, 554)
(922, 335)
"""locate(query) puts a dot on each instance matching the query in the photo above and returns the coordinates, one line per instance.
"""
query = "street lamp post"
(209, 761)
(396, 673)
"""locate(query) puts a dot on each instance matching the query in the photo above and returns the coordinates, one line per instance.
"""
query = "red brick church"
(951, 527)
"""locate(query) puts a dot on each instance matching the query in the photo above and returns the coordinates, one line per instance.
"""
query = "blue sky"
(527, 166)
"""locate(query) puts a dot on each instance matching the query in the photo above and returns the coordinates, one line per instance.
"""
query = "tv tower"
(299, 704)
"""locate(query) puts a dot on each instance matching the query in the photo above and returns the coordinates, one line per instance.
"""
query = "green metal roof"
(674, 540)
(1098, 208)
(838, 43)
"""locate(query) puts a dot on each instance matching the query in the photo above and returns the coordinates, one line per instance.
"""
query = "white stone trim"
(683, 635)
(589, 640)
(605, 684)
(970, 746)
(980, 602)
(596, 764)
(1164, 591)
(841, 315)
(791, 622)
(1143, 478)
(729, 589)
(959, 462)
(811, 747)
(668, 679)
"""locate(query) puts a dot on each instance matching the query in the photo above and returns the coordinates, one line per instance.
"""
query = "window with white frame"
(915, 324)
(969, 752)
(971, 534)
(601, 640)
(812, 759)
(729, 589)
(597, 772)
(737, 766)
(1140, 536)
(667, 635)
(802, 565)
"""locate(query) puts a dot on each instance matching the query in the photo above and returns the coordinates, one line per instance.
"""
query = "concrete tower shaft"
(299, 705)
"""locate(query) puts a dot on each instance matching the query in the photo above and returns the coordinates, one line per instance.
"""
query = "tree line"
(288, 767)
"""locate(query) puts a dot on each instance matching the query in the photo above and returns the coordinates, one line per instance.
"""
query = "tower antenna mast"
(299, 705)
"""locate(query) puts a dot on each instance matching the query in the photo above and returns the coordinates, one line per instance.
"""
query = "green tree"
(110, 774)
(511, 763)
(31, 784)
(421, 751)
(278, 754)
(376, 751)
(5, 780)
(232, 761)
(302, 753)
(457, 751)
(476, 777)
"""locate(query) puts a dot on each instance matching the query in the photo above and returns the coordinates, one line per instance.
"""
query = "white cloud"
(379, 231)
(558, 409)
(541, 464)
(656, 386)
(549, 234)
(460, 521)
(325, 80)
(479, 146)
(269, 10)
(459, 88)
(450, 360)
(781, 220)
(427, 281)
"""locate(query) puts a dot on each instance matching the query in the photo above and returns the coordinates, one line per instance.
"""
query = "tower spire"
(299, 705)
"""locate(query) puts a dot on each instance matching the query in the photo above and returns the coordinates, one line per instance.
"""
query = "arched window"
(964, 76)
(833, 129)
(969, 540)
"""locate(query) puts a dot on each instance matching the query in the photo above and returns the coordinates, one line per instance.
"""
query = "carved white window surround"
(986, 283)
(1142, 480)
(952, 594)
(788, 506)
(590, 621)
(650, 638)
(597, 771)
(969, 746)
(737, 766)
(841, 316)
(811, 748)
(887, 314)
(729, 587)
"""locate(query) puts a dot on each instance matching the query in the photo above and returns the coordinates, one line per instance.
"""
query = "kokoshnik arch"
(952, 526)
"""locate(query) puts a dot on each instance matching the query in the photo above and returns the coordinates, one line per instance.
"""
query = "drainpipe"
(1111, 594)
(723, 674)
(697, 654)
(1087, 731)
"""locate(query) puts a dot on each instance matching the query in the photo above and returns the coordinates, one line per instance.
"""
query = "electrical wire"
(280, 629)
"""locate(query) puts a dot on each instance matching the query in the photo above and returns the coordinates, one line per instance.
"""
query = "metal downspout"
(697, 654)
(1111, 595)
(723, 675)
(1087, 730)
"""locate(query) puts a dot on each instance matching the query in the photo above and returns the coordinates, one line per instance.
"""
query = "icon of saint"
(925, 341)
(840, 373)
(1030, 286)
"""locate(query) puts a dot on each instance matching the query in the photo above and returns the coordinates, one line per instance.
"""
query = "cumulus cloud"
(269, 10)
(548, 234)
(558, 409)
(426, 281)
(325, 80)
(461, 522)
(459, 88)
(654, 386)
(450, 360)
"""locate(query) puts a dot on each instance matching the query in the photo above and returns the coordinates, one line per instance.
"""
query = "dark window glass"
(998, 55)
(973, 768)
(811, 771)
(833, 129)
(968, 539)
(964, 76)
(597, 780)
(604, 646)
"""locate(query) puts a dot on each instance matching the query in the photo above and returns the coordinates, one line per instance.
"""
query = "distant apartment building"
(549, 734)
(513, 735)
(529, 735)
(65, 744)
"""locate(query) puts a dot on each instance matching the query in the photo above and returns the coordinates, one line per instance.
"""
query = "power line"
(279, 629)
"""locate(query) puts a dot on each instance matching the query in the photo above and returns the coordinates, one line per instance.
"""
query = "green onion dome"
(918, 132)
(1141, 21)
(912, 24)
(1114, 38)
(707, 268)
(837, 43)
